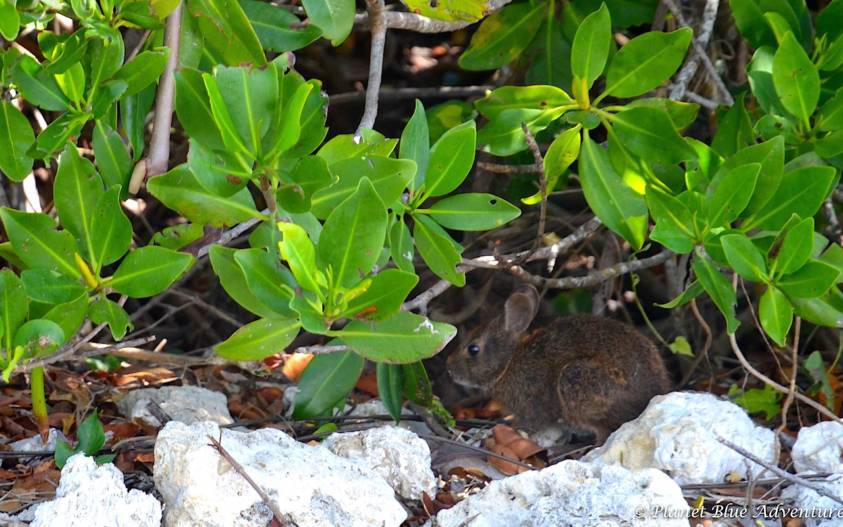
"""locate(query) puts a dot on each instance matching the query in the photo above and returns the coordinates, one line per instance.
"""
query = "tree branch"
(378, 26)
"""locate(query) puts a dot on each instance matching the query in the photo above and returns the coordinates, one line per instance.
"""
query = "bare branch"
(322, 349)
(539, 163)
(508, 169)
(378, 26)
(593, 278)
(159, 145)
(385, 94)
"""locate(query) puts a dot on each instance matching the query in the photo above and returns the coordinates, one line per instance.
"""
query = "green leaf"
(450, 10)
(438, 250)
(401, 339)
(112, 157)
(681, 346)
(38, 243)
(522, 98)
(728, 197)
(757, 400)
(649, 133)
(72, 82)
(471, 212)
(43, 285)
(384, 297)
(69, 315)
(37, 86)
(234, 281)
(180, 189)
(325, 383)
(831, 113)
(694, 290)
(816, 368)
(58, 133)
(16, 138)
(503, 36)
(259, 339)
(673, 219)
(389, 177)
(734, 130)
(194, 110)
(9, 21)
(645, 62)
(401, 246)
(227, 32)
(14, 306)
(353, 235)
(334, 17)
(62, 454)
(309, 175)
(796, 247)
(801, 192)
(451, 159)
(826, 310)
(251, 98)
(812, 280)
(300, 254)
(770, 155)
(143, 70)
(590, 49)
(744, 257)
(561, 153)
(277, 28)
(148, 271)
(104, 311)
(39, 338)
(78, 189)
(776, 315)
(796, 79)
(718, 288)
(222, 116)
(749, 17)
(390, 384)
(681, 114)
(613, 201)
(415, 144)
(267, 279)
(91, 435)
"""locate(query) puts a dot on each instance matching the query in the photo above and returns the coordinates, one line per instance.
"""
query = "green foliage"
(90, 439)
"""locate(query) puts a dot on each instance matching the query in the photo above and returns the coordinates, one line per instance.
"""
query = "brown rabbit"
(584, 371)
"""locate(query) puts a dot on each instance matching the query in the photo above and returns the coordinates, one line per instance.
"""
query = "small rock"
(11, 521)
(677, 433)
(573, 494)
(309, 484)
(95, 496)
(399, 456)
(376, 407)
(34, 444)
(186, 404)
(818, 510)
(819, 448)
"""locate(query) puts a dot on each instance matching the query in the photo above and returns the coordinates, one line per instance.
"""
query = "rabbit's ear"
(520, 309)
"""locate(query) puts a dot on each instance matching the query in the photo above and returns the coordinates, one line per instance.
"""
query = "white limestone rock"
(376, 407)
(819, 448)
(310, 485)
(573, 494)
(95, 496)
(819, 510)
(677, 434)
(186, 404)
(35, 444)
(397, 455)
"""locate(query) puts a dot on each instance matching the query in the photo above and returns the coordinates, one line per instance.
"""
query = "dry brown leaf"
(295, 364)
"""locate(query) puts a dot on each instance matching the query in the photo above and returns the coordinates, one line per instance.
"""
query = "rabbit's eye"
(473, 349)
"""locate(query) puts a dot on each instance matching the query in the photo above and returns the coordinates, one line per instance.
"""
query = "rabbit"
(587, 372)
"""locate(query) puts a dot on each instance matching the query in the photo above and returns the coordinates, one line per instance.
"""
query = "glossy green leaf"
(718, 288)
(438, 250)
(78, 189)
(72, 83)
(691, 292)
(222, 116)
(770, 155)
(796, 79)
(389, 177)
(826, 310)
(353, 235)
(38, 243)
(259, 339)
(730, 195)
(801, 192)
(179, 189)
(472, 212)
(504, 135)
(105, 311)
(415, 144)
(401, 246)
(612, 200)
(14, 306)
(277, 28)
(251, 98)
(384, 297)
(812, 280)
(796, 247)
(649, 133)
(267, 279)
(149, 270)
(744, 257)
(234, 281)
(749, 17)
(390, 384)
(325, 383)
(451, 159)
(776, 315)
(673, 220)
(112, 157)
(143, 70)
(401, 339)
(831, 113)
(734, 129)
(503, 36)
(9, 21)
(194, 110)
(227, 31)
(645, 62)
(590, 49)
(39, 338)
(300, 254)
(537, 97)
(43, 285)
(69, 315)
(37, 86)
(16, 138)
(450, 10)
(334, 17)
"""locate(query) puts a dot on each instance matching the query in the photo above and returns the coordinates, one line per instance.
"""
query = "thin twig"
(322, 349)
(377, 26)
(281, 518)
(791, 391)
(703, 353)
(699, 43)
(793, 478)
(477, 449)
(539, 162)
(159, 145)
(445, 92)
(508, 169)
(593, 278)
